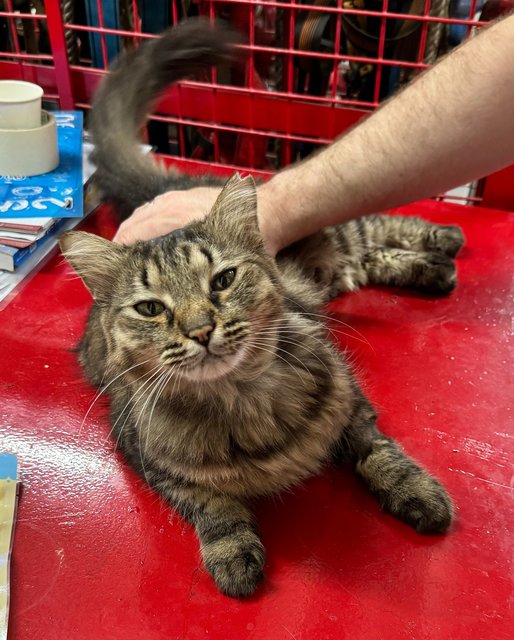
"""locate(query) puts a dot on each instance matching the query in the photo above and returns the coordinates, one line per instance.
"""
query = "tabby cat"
(223, 382)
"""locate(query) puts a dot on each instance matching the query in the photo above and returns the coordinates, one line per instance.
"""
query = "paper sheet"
(8, 494)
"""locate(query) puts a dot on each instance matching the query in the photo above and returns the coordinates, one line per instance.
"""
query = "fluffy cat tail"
(124, 174)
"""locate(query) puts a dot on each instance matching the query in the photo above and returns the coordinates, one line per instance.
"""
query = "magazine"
(57, 193)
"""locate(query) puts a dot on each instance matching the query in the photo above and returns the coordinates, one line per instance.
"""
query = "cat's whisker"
(152, 373)
(155, 386)
(133, 400)
(178, 375)
(296, 343)
(180, 362)
(302, 364)
(70, 277)
(166, 378)
(155, 383)
(293, 332)
(104, 388)
(326, 324)
(328, 318)
(98, 393)
(286, 327)
(131, 382)
(259, 346)
(352, 337)
(286, 330)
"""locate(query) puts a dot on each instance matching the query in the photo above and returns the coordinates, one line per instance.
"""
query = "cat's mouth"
(215, 358)
(210, 365)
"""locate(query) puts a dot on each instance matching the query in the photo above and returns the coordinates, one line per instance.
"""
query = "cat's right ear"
(96, 260)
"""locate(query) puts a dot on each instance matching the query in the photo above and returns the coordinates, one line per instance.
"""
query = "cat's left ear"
(234, 213)
(97, 261)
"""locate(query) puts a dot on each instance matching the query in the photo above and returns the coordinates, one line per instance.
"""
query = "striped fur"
(233, 393)
(223, 382)
(380, 249)
(126, 176)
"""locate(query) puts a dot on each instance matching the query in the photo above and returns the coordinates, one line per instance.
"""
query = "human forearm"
(454, 124)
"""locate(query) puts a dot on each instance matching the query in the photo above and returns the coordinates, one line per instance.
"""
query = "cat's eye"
(149, 308)
(223, 280)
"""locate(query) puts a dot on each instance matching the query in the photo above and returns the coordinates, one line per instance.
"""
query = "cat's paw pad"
(447, 239)
(439, 274)
(422, 503)
(236, 563)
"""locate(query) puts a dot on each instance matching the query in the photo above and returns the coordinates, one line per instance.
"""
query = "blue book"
(12, 257)
(57, 194)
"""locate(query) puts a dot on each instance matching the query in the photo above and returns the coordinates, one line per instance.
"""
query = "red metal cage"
(312, 69)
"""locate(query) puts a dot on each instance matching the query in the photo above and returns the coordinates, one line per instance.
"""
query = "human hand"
(169, 211)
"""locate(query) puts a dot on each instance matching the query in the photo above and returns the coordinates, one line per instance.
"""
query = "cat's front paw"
(422, 503)
(447, 239)
(404, 489)
(236, 563)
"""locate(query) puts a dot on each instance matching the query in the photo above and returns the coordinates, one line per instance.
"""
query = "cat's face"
(202, 302)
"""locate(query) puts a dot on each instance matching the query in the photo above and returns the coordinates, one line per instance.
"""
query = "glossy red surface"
(97, 555)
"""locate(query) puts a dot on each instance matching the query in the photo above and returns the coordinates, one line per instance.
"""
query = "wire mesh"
(312, 68)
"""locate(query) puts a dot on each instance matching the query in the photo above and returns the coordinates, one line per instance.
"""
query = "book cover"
(8, 499)
(54, 194)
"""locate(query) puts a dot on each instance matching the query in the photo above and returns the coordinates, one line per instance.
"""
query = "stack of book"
(35, 209)
(21, 237)
(34, 212)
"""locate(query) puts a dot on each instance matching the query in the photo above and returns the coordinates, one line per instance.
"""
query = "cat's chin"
(211, 368)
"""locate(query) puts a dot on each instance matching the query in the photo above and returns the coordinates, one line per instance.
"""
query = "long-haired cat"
(223, 382)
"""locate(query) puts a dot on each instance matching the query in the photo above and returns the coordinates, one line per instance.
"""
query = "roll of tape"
(29, 152)
(20, 104)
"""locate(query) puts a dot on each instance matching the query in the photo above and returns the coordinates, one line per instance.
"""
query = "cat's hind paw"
(446, 239)
(438, 274)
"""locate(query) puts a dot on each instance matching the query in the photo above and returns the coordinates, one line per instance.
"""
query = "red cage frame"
(250, 113)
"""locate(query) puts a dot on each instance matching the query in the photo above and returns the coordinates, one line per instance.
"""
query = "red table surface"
(98, 556)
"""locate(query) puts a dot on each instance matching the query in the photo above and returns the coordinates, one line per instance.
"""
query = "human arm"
(453, 124)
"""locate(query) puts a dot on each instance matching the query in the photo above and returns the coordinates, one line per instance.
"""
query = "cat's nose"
(201, 334)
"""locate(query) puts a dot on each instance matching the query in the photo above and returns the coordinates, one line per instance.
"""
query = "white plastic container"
(29, 152)
(20, 104)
